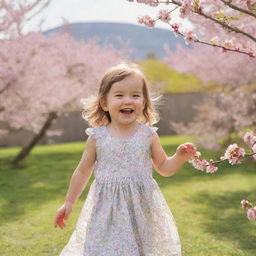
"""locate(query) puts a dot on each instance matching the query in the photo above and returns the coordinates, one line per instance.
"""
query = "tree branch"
(225, 25)
(215, 45)
(40, 10)
(238, 8)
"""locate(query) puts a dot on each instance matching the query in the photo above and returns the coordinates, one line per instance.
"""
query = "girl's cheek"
(139, 100)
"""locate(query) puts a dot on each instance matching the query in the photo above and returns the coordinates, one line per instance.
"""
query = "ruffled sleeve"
(152, 129)
(91, 132)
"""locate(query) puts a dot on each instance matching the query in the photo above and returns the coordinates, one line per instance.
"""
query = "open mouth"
(127, 110)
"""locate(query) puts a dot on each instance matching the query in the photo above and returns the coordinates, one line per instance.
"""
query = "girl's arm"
(164, 165)
(82, 172)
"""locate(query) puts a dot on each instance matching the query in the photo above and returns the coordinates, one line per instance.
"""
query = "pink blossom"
(190, 36)
(234, 154)
(251, 213)
(245, 204)
(249, 139)
(211, 168)
(146, 20)
(184, 12)
(197, 163)
(185, 8)
(200, 164)
(164, 15)
(175, 27)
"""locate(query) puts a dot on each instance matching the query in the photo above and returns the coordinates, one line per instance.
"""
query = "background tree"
(15, 14)
(44, 77)
(232, 107)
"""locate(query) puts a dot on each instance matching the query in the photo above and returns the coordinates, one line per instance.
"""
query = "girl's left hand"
(186, 151)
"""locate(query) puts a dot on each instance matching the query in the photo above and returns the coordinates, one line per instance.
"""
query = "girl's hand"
(186, 151)
(62, 214)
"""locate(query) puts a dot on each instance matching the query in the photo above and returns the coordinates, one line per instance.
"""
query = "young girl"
(125, 213)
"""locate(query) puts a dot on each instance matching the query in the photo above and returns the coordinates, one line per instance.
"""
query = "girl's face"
(125, 101)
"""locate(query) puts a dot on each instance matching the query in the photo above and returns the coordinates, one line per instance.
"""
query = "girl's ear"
(103, 105)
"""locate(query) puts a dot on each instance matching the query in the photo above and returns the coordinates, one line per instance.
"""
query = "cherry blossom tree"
(42, 77)
(226, 111)
(225, 24)
(15, 14)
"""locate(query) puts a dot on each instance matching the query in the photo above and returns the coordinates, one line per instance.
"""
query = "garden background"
(209, 98)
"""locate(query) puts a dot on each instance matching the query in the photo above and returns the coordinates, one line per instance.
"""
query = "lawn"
(206, 207)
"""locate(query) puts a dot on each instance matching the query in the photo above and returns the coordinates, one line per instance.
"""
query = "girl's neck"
(122, 130)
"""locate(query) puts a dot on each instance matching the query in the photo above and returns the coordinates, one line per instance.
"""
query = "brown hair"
(92, 110)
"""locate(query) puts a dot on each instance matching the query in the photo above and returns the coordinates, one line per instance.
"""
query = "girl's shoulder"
(95, 132)
(149, 129)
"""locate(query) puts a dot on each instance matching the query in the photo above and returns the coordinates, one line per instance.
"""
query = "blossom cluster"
(146, 20)
(234, 154)
(164, 16)
(251, 210)
(205, 15)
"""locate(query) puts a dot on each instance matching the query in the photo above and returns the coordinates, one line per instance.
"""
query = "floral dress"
(125, 213)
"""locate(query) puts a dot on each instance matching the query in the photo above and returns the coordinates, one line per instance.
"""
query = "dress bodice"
(121, 159)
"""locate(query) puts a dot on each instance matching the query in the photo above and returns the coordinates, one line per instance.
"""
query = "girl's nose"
(127, 99)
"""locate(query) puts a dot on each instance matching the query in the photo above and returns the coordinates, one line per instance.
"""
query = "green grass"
(206, 207)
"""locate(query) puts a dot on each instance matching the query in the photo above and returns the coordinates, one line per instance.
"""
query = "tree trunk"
(27, 148)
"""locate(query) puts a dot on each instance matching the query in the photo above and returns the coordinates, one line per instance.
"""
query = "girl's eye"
(136, 95)
(118, 95)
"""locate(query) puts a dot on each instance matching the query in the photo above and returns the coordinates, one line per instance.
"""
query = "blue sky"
(72, 11)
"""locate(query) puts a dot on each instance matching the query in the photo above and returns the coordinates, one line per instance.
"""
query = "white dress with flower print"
(125, 213)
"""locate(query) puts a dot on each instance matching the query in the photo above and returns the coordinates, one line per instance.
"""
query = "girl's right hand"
(62, 214)
(186, 151)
